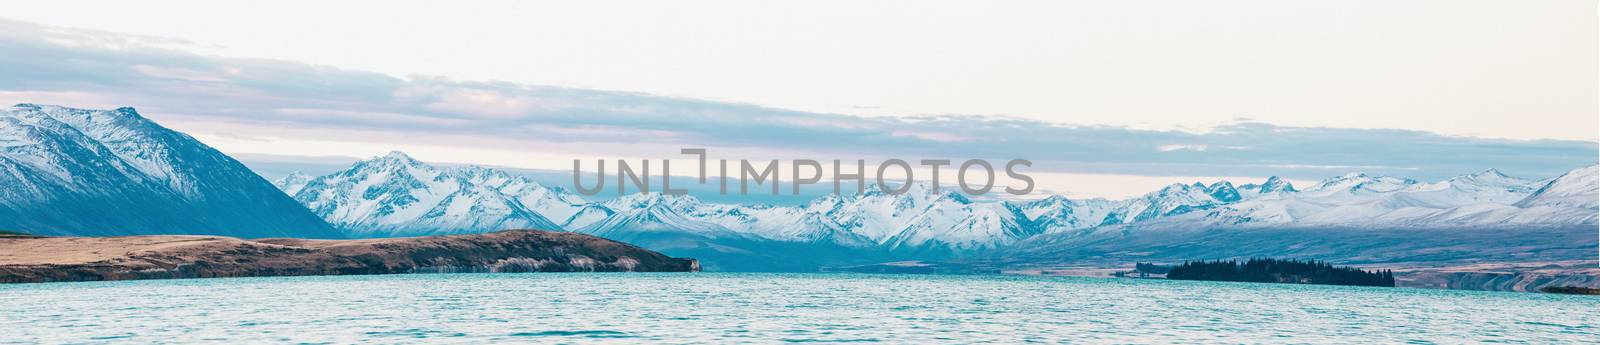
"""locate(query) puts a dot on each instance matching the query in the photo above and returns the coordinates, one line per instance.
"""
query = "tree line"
(1266, 270)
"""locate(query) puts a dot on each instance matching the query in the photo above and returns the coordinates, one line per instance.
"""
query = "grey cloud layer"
(134, 71)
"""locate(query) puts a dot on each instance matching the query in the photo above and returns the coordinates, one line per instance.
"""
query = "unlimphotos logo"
(804, 172)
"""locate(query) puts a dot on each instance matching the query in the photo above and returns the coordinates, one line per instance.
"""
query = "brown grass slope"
(31, 259)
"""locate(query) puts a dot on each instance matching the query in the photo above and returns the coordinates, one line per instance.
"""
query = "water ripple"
(741, 308)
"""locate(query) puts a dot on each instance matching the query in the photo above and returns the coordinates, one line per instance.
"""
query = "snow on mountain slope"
(1357, 185)
(912, 221)
(397, 195)
(86, 172)
(766, 221)
(1056, 213)
(1489, 186)
(1174, 199)
(874, 214)
(152, 149)
(1576, 188)
(1347, 198)
(959, 225)
(1483, 199)
(638, 213)
(918, 220)
(554, 203)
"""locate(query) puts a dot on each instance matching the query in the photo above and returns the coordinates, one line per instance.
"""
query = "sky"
(1108, 99)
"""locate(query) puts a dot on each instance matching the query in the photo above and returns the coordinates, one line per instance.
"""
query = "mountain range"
(395, 195)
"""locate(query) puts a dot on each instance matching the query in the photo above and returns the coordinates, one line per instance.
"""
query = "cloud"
(185, 74)
(485, 103)
(85, 68)
(931, 136)
(1176, 147)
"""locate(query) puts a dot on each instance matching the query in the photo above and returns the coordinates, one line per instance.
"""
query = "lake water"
(721, 308)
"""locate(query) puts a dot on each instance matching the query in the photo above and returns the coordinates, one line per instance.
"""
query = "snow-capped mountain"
(397, 195)
(66, 171)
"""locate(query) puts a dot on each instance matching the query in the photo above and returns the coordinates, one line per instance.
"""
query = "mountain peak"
(1276, 184)
(1490, 175)
(1055, 199)
(94, 122)
(396, 154)
(1490, 172)
(1361, 181)
(128, 111)
(392, 159)
(1178, 187)
(1223, 191)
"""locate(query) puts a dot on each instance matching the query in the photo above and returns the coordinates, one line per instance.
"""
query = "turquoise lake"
(767, 308)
